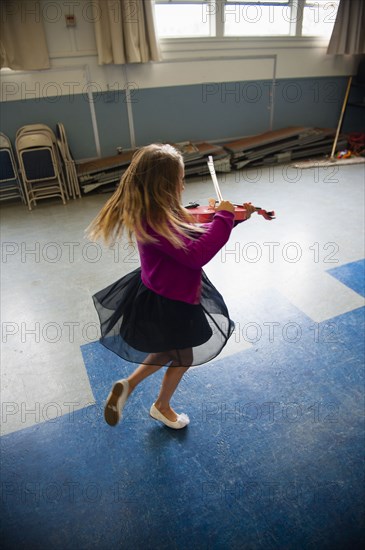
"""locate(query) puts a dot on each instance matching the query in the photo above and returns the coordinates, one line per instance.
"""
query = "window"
(257, 18)
(319, 17)
(179, 18)
(219, 18)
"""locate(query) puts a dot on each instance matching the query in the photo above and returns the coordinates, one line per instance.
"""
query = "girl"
(166, 312)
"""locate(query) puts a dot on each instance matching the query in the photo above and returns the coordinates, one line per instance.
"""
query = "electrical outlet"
(70, 20)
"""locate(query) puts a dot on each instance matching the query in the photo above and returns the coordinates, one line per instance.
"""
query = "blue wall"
(194, 112)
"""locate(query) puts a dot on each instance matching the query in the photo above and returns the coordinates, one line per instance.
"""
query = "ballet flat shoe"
(181, 422)
(115, 402)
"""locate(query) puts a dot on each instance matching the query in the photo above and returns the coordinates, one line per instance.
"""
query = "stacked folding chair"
(10, 184)
(73, 186)
(40, 164)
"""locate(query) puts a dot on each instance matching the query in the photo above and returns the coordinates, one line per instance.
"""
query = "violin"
(202, 214)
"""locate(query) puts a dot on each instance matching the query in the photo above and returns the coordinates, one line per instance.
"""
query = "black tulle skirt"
(136, 322)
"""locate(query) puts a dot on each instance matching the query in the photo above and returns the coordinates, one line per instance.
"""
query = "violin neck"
(257, 208)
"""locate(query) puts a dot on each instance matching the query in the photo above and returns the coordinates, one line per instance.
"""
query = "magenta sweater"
(175, 273)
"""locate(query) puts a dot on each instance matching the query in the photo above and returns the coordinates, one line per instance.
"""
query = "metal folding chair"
(69, 163)
(40, 165)
(10, 184)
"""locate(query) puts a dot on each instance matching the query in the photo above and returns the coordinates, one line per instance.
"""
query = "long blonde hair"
(149, 192)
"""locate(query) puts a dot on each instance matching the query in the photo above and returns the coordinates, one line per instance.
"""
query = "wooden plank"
(265, 138)
(104, 163)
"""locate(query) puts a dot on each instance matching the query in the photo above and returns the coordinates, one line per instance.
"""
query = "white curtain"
(348, 35)
(23, 44)
(125, 31)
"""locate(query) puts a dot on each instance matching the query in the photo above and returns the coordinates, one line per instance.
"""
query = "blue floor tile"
(352, 275)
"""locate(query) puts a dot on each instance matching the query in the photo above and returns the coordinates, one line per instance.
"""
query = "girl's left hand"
(250, 209)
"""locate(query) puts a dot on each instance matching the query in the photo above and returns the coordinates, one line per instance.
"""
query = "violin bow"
(214, 178)
(259, 210)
